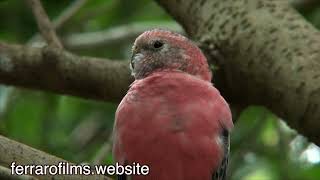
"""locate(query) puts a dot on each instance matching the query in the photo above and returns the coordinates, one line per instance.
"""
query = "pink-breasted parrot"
(172, 118)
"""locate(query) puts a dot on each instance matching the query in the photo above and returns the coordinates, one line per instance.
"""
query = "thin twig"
(85, 131)
(63, 18)
(68, 13)
(44, 24)
(119, 34)
(103, 152)
(58, 22)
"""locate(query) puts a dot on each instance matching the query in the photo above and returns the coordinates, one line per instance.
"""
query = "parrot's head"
(158, 50)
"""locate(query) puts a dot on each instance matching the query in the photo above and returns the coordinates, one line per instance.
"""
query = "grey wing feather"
(121, 177)
(221, 173)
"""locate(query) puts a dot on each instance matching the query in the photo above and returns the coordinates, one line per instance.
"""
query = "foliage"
(262, 147)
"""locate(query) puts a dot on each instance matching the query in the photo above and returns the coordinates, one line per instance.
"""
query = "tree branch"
(44, 23)
(68, 13)
(5, 173)
(65, 15)
(114, 35)
(56, 70)
(24, 155)
(266, 54)
(104, 151)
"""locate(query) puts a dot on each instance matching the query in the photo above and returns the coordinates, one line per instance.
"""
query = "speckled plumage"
(172, 118)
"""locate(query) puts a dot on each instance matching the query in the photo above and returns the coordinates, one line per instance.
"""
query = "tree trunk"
(266, 54)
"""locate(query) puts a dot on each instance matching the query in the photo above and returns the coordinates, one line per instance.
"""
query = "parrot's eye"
(157, 44)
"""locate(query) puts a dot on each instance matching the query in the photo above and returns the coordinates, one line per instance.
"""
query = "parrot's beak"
(136, 56)
(132, 61)
(134, 52)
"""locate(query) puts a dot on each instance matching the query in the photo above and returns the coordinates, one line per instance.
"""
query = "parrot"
(172, 118)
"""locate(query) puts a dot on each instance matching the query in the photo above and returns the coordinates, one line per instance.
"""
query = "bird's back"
(172, 122)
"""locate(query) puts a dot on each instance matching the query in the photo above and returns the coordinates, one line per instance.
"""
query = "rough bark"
(55, 70)
(266, 54)
(5, 173)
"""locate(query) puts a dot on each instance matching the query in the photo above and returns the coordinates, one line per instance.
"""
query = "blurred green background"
(78, 130)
